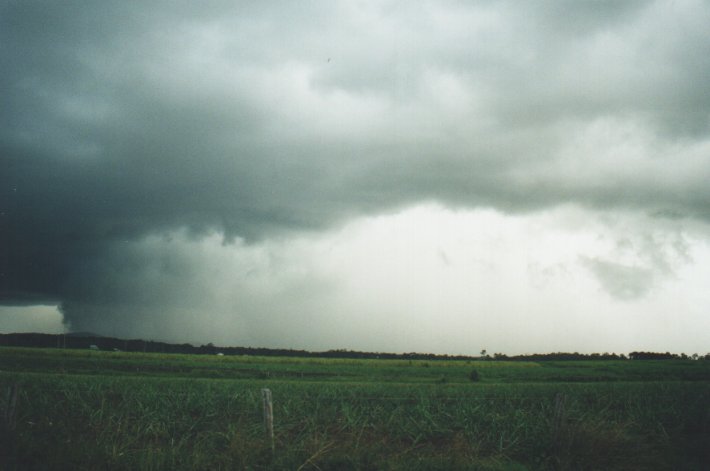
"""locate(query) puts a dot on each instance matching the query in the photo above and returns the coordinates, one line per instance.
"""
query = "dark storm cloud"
(123, 119)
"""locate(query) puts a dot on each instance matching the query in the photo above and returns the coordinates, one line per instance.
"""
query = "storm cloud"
(136, 138)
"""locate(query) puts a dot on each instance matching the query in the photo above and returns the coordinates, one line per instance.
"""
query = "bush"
(473, 376)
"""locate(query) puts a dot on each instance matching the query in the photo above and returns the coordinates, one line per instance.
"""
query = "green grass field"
(115, 410)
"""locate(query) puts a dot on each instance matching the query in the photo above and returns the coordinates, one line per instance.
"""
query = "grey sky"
(147, 148)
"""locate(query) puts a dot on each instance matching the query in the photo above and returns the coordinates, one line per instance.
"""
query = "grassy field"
(115, 410)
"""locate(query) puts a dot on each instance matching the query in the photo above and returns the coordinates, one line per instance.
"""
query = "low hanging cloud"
(124, 124)
(621, 281)
(509, 283)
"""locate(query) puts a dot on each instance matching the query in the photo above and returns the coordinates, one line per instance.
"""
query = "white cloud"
(423, 279)
(41, 319)
(582, 125)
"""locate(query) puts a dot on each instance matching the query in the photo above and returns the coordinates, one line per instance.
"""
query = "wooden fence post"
(8, 418)
(560, 417)
(268, 415)
(8, 452)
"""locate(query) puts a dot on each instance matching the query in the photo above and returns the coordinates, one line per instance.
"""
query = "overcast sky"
(393, 176)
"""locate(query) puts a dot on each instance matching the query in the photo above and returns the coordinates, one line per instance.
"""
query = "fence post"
(8, 418)
(8, 452)
(268, 415)
(560, 417)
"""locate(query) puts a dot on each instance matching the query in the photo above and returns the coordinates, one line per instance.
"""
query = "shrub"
(474, 376)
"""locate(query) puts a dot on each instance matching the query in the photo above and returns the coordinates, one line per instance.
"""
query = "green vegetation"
(81, 409)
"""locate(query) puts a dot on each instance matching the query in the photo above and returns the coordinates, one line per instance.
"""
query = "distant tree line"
(666, 356)
(86, 341)
(597, 356)
(557, 356)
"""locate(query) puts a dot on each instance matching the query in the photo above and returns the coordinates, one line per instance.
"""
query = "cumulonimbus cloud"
(120, 121)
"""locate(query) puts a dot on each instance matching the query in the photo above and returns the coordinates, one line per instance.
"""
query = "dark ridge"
(85, 340)
(82, 334)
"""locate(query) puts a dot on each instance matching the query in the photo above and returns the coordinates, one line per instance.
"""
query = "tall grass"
(352, 418)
